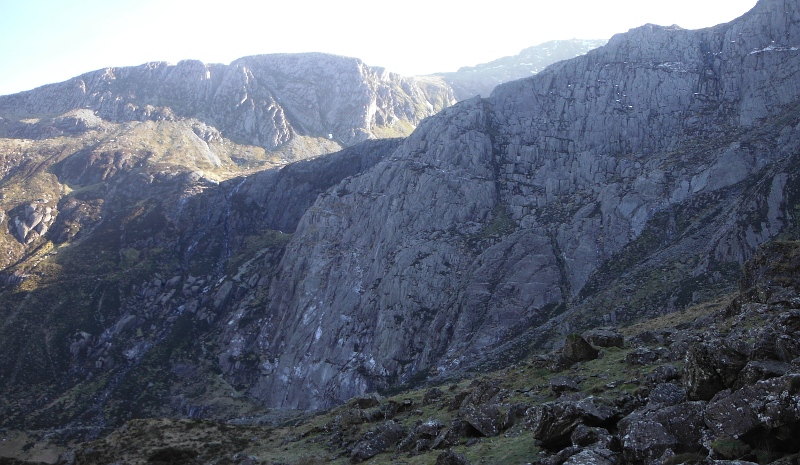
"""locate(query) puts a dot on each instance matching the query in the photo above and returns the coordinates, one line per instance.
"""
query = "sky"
(45, 41)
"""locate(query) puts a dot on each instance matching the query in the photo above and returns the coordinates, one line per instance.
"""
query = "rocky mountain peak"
(264, 100)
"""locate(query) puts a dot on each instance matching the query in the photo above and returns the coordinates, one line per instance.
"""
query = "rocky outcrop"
(264, 100)
(377, 441)
(494, 215)
(29, 222)
(553, 423)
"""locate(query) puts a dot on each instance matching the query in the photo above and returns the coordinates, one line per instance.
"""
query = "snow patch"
(774, 48)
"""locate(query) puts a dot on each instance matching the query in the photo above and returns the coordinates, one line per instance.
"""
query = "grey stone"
(664, 374)
(577, 349)
(451, 458)
(666, 394)
(711, 367)
(377, 440)
(552, 423)
(486, 419)
(767, 405)
(562, 384)
(593, 457)
(757, 370)
(603, 337)
(647, 434)
(641, 356)
(586, 436)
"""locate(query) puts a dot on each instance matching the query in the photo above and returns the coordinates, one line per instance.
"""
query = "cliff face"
(495, 214)
(264, 100)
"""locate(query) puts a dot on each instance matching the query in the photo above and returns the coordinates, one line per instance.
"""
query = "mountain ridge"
(481, 79)
(263, 100)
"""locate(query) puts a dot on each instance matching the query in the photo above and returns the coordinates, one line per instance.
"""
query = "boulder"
(451, 436)
(485, 391)
(562, 384)
(486, 419)
(432, 395)
(711, 367)
(767, 412)
(421, 436)
(577, 349)
(593, 457)
(603, 337)
(666, 394)
(586, 436)
(377, 440)
(552, 423)
(757, 370)
(641, 356)
(429, 428)
(664, 374)
(648, 433)
(451, 458)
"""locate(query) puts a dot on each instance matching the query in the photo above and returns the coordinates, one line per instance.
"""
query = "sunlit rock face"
(264, 100)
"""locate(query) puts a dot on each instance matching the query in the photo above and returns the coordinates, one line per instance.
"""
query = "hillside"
(712, 383)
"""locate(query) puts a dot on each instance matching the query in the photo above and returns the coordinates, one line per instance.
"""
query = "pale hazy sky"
(44, 41)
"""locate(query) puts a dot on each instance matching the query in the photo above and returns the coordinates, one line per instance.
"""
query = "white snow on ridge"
(775, 48)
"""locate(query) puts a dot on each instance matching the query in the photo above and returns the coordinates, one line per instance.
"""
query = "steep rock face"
(481, 79)
(264, 100)
(498, 211)
(397, 269)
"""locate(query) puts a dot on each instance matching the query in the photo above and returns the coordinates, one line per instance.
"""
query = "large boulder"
(604, 337)
(767, 412)
(451, 436)
(711, 367)
(553, 423)
(666, 394)
(377, 440)
(577, 349)
(641, 356)
(757, 370)
(776, 266)
(648, 433)
(485, 391)
(486, 419)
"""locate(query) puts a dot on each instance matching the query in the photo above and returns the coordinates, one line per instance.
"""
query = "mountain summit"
(264, 100)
